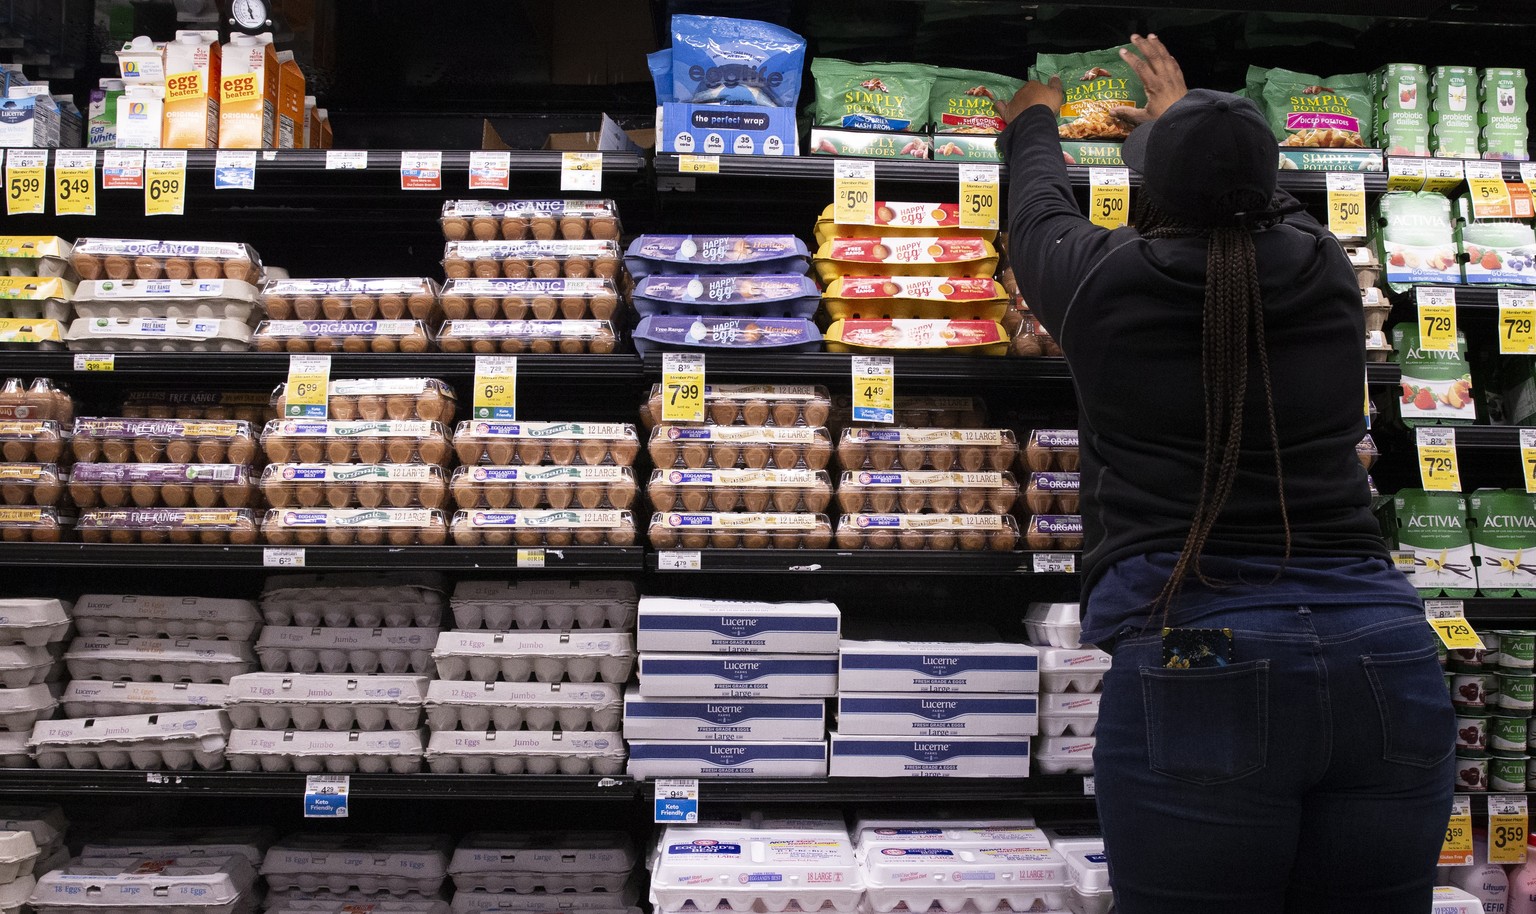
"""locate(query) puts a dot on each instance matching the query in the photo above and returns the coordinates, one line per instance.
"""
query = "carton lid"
(187, 725)
(281, 637)
(211, 695)
(17, 845)
(415, 855)
(542, 743)
(169, 650)
(14, 895)
(31, 613)
(319, 688)
(543, 852)
(582, 643)
(201, 609)
(304, 743)
(523, 694)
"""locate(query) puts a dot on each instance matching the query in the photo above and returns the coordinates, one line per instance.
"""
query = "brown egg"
(367, 494)
(1039, 501)
(512, 346)
(662, 536)
(400, 450)
(723, 412)
(880, 455)
(818, 538)
(693, 538)
(602, 306)
(363, 307)
(577, 268)
(514, 228)
(306, 308)
(941, 457)
(415, 341)
(87, 266)
(1002, 540)
(144, 495)
(239, 450)
(542, 227)
(1038, 457)
(118, 267)
(623, 451)
(129, 536)
(1070, 541)
(1068, 460)
(340, 536)
(490, 269)
(545, 307)
(513, 308)
(972, 540)
(276, 534)
(530, 451)
(724, 539)
(558, 538)
(150, 450)
(621, 493)
(358, 344)
(972, 501)
(525, 537)
(309, 495)
(308, 536)
(242, 270)
(573, 228)
(432, 406)
(468, 450)
(849, 537)
(278, 307)
(277, 448)
(1067, 502)
(209, 450)
(465, 491)
(604, 228)
(372, 450)
(47, 489)
(788, 539)
(86, 450)
(912, 458)
(664, 452)
(911, 539)
(816, 412)
(941, 541)
(465, 535)
(375, 536)
(562, 452)
(912, 501)
(399, 406)
(881, 501)
(334, 308)
(605, 266)
(1038, 540)
(515, 268)
(268, 344)
(431, 492)
(46, 531)
(113, 495)
(559, 494)
(593, 451)
(15, 535)
(455, 228)
(185, 535)
(385, 343)
(484, 228)
(972, 459)
(880, 538)
(336, 450)
(693, 498)
(115, 450)
(434, 535)
(728, 456)
(594, 537)
(572, 346)
(456, 267)
(590, 496)
(143, 268)
(456, 307)
(404, 536)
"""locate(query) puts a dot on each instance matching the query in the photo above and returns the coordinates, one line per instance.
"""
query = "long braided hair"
(1232, 327)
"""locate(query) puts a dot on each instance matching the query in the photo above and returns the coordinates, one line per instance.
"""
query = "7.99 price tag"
(1346, 204)
(980, 196)
(682, 387)
(1509, 822)
(1437, 459)
(874, 388)
(495, 387)
(1109, 197)
(165, 182)
(1457, 848)
(853, 192)
(25, 171)
(74, 182)
(307, 394)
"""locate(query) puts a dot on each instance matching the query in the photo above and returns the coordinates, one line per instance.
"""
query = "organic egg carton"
(377, 399)
(1051, 449)
(507, 443)
(121, 258)
(14, 752)
(18, 855)
(1064, 754)
(278, 701)
(395, 600)
(366, 863)
(249, 842)
(526, 752)
(162, 659)
(98, 698)
(532, 604)
(1052, 493)
(386, 905)
(709, 868)
(582, 656)
(22, 666)
(1069, 714)
(1067, 670)
(531, 259)
(33, 622)
(955, 879)
(571, 337)
(342, 335)
(515, 705)
(357, 299)
(334, 751)
(552, 862)
(21, 709)
(393, 651)
(1054, 531)
(208, 618)
(471, 902)
(541, 220)
(536, 299)
(180, 742)
(32, 484)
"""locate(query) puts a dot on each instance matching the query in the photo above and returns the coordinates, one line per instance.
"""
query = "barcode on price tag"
(581, 171)
(1055, 563)
(346, 159)
(282, 558)
(93, 361)
(682, 387)
(530, 558)
(678, 561)
(421, 170)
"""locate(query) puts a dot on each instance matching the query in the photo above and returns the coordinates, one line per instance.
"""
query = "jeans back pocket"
(1208, 725)
(1418, 724)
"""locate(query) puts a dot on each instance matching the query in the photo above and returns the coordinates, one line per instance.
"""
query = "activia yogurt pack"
(1436, 386)
(1501, 250)
(1502, 114)
(1416, 240)
(1503, 525)
(1432, 526)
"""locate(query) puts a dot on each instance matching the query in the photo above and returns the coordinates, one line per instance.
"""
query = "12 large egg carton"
(547, 656)
(560, 862)
(712, 868)
(333, 751)
(249, 842)
(367, 863)
(279, 701)
(561, 605)
(206, 618)
(392, 651)
(471, 705)
(365, 601)
(179, 742)
(539, 752)
(163, 659)
(100, 698)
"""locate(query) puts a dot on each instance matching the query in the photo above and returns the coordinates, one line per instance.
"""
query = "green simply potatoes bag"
(1307, 110)
(966, 101)
(871, 96)
(1095, 83)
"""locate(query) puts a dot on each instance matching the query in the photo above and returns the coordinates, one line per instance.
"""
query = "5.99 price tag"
(25, 171)
(980, 195)
(495, 387)
(307, 395)
(1457, 849)
(874, 388)
(853, 192)
(1508, 828)
(1437, 459)
(1109, 197)
(1346, 204)
(74, 182)
(165, 182)
(682, 387)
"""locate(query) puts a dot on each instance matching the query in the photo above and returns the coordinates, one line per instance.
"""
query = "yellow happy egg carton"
(928, 255)
(897, 220)
(915, 297)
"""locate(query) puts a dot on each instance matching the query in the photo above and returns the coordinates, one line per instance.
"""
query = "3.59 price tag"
(980, 196)
(1109, 197)
(1449, 620)
(1457, 849)
(1517, 322)
(307, 394)
(1346, 204)
(495, 387)
(1437, 319)
(853, 192)
(25, 171)
(682, 387)
(74, 182)
(165, 182)
(1509, 822)
(874, 388)
(1437, 459)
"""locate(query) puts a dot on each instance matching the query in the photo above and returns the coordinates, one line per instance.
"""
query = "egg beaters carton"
(192, 71)
(248, 95)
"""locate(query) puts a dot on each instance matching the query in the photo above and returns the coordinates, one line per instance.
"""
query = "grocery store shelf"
(835, 561)
(1484, 436)
(399, 558)
(1384, 374)
(1470, 297)
(200, 367)
(455, 162)
(884, 790)
(38, 782)
(1500, 609)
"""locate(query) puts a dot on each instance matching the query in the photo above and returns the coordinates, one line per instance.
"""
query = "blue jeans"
(1312, 774)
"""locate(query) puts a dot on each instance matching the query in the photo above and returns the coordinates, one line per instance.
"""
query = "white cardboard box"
(738, 676)
(953, 757)
(723, 721)
(952, 714)
(684, 759)
(684, 626)
(931, 666)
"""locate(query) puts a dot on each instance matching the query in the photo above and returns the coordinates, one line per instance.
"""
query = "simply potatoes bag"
(1095, 83)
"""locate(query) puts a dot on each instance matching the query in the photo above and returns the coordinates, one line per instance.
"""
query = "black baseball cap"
(1209, 157)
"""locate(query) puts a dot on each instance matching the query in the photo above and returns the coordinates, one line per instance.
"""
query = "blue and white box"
(935, 666)
(673, 625)
(751, 759)
(723, 721)
(743, 130)
(738, 675)
(951, 714)
(941, 757)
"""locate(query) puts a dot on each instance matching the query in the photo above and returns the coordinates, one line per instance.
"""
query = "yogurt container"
(1508, 733)
(1469, 690)
(1471, 772)
(1517, 691)
(1507, 771)
(1472, 732)
(1517, 649)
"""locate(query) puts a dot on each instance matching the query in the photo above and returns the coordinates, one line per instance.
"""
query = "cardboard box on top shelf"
(608, 137)
(290, 101)
(248, 97)
(192, 69)
(612, 55)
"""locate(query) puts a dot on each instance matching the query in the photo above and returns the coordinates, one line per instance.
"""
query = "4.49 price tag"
(1509, 821)
(1437, 319)
(25, 171)
(1437, 459)
(1449, 620)
(682, 387)
(1109, 197)
(874, 388)
(1517, 322)
(980, 196)
(165, 182)
(307, 394)
(74, 182)
(853, 192)
(495, 387)
(1346, 204)
(1457, 849)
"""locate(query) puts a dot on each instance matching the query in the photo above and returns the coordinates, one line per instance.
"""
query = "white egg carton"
(33, 622)
(386, 905)
(237, 867)
(45, 822)
(935, 666)
(1090, 880)
(562, 605)
(1054, 624)
(21, 709)
(526, 752)
(392, 651)
(333, 751)
(1450, 900)
(14, 751)
(713, 867)
(471, 705)
(366, 863)
(163, 659)
(366, 600)
(250, 842)
(99, 698)
(948, 878)
(949, 834)
(1069, 713)
(179, 742)
(208, 299)
(148, 334)
(1065, 669)
(553, 862)
(690, 758)
(1064, 754)
(15, 896)
(868, 828)
(277, 701)
(22, 666)
(548, 656)
(119, 615)
(279, 899)
(18, 854)
(190, 889)
(539, 903)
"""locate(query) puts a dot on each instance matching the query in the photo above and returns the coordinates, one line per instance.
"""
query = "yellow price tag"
(92, 361)
(1109, 197)
(1442, 175)
(1448, 619)
(874, 389)
(980, 196)
(1517, 322)
(682, 387)
(74, 182)
(581, 171)
(530, 558)
(853, 192)
(1346, 204)
(1437, 459)
(309, 387)
(495, 387)
(1509, 824)
(165, 182)
(698, 165)
(25, 171)
(1405, 173)
(1457, 849)
(1437, 319)
(1486, 188)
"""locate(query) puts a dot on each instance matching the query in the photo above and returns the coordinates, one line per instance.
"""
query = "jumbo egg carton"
(247, 842)
(121, 615)
(98, 698)
(366, 863)
(1067, 670)
(552, 862)
(1064, 754)
(180, 742)
(394, 600)
(741, 869)
(950, 878)
(333, 751)
(33, 622)
(278, 701)
(383, 905)
(22, 666)
(21, 709)
(537, 752)
(162, 659)
(392, 651)
(547, 656)
(1054, 624)
(175, 890)
(534, 604)
(534, 903)
(1069, 713)
(514, 705)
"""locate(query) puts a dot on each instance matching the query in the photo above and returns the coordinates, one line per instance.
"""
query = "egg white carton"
(163, 659)
(22, 666)
(174, 890)
(945, 877)
(1067, 670)
(179, 742)
(15, 896)
(18, 854)
(474, 705)
(33, 622)
(392, 651)
(713, 867)
(45, 822)
(22, 708)
(99, 698)
(1054, 624)
(237, 867)
(386, 905)
(14, 752)
(393, 600)
(119, 615)
(1069, 713)
(548, 656)
(1064, 754)
(249, 842)
(472, 902)
(562, 605)
(568, 861)
(333, 751)
(366, 863)
(525, 752)
(277, 701)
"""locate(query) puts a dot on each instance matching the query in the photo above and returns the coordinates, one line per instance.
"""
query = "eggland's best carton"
(1453, 112)
(101, 114)
(290, 101)
(248, 93)
(1502, 114)
(192, 91)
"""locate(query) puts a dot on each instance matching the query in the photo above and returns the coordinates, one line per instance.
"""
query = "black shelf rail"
(363, 787)
(859, 561)
(1500, 609)
(1485, 436)
(455, 162)
(415, 558)
(199, 367)
(886, 790)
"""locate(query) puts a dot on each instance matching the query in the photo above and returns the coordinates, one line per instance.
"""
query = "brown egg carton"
(162, 485)
(342, 336)
(118, 258)
(866, 492)
(333, 441)
(1051, 493)
(354, 485)
(531, 299)
(531, 259)
(540, 220)
(543, 528)
(32, 525)
(1054, 531)
(119, 440)
(376, 399)
(725, 447)
(31, 484)
(42, 400)
(538, 337)
(712, 530)
(508, 443)
(930, 532)
(31, 440)
(1367, 451)
(242, 405)
(918, 412)
(778, 405)
(414, 298)
(1051, 449)
(1030, 339)
(966, 450)
(354, 527)
(731, 490)
(544, 487)
(168, 525)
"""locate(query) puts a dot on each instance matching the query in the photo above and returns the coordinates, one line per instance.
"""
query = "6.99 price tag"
(980, 193)
(307, 395)
(25, 171)
(495, 387)
(1437, 459)
(1109, 197)
(1509, 822)
(74, 182)
(1457, 848)
(165, 182)
(682, 387)
(853, 192)
(1346, 204)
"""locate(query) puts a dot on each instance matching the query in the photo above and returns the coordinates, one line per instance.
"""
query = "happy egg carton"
(21, 709)
(392, 651)
(920, 878)
(33, 622)
(179, 742)
(533, 604)
(209, 618)
(394, 600)
(99, 698)
(22, 666)
(332, 751)
(472, 902)
(514, 705)
(162, 659)
(526, 752)
(741, 869)
(366, 863)
(553, 862)
(548, 656)
(248, 842)
(278, 701)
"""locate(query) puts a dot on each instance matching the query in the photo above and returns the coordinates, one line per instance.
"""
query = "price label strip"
(91, 361)
(1437, 459)
(25, 172)
(1449, 620)
(1457, 849)
(1405, 173)
(530, 558)
(272, 557)
(677, 800)
(1509, 821)
(1528, 173)
(1346, 204)
(853, 192)
(421, 170)
(1437, 319)
(698, 165)
(1489, 193)
(165, 182)
(980, 196)
(1517, 322)
(1443, 175)
(74, 182)
(490, 170)
(679, 561)
(581, 171)
(325, 796)
(874, 388)
(234, 169)
(682, 387)
(1055, 563)
(308, 391)
(122, 169)
(1109, 197)
(346, 160)
(495, 387)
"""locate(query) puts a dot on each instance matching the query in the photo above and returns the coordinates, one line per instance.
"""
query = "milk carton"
(1502, 113)
(290, 102)
(140, 116)
(1453, 112)
(142, 60)
(101, 114)
(192, 91)
(45, 113)
(19, 123)
(1503, 533)
(248, 94)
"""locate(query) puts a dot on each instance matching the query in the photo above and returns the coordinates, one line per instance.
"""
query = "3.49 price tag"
(682, 387)
(874, 388)
(308, 392)
(1437, 459)
(1109, 197)
(853, 192)
(165, 182)
(495, 387)
(25, 171)
(1346, 204)
(74, 182)
(1517, 322)
(1457, 849)
(1449, 620)
(980, 196)
(1437, 319)
(1509, 822)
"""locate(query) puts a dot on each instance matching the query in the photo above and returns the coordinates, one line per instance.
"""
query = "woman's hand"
(1160, 75)
(1034, 93)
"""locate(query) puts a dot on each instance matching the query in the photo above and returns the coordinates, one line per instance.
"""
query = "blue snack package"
(720, 61)
(660, 63)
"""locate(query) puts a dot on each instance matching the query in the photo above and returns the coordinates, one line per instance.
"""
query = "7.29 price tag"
(165, 182)
(1517, 322)
(1437, 459)
(25, 171)
(1437, 319)
(682, 387)
(1449, 620)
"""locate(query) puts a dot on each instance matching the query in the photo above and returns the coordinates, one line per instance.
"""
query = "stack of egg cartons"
(20, 855)
(165, 872)
(345, 660)
(33, 423)
(1049, 505)
(32, 635)
(47, 825)
(756, 864)
(236, 852)
(586, 872)
(1071, 678)
(1081, 844)
(36, 285)
(530, 681)
(934, 709)
(732, 688)
(356, 868)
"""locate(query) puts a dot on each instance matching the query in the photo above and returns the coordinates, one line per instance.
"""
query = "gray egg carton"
(386, 906)
(163, 659)
(365, 601)
(393, 651)
(100, 698)
(33, 623)
(119, 615)
(18, 854)
(22, 666)
(525, 752)
(179, 742)
(472, 902)
(45, 821)
(368, 864)
(357, 902)
(237, 866)
(333, 751)
(250, 842)
(548, 656)
(186, 889)
(472, 705)
(552, 862)
(278, 701)
(21, 709)
(561, 605)
(14, 752)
